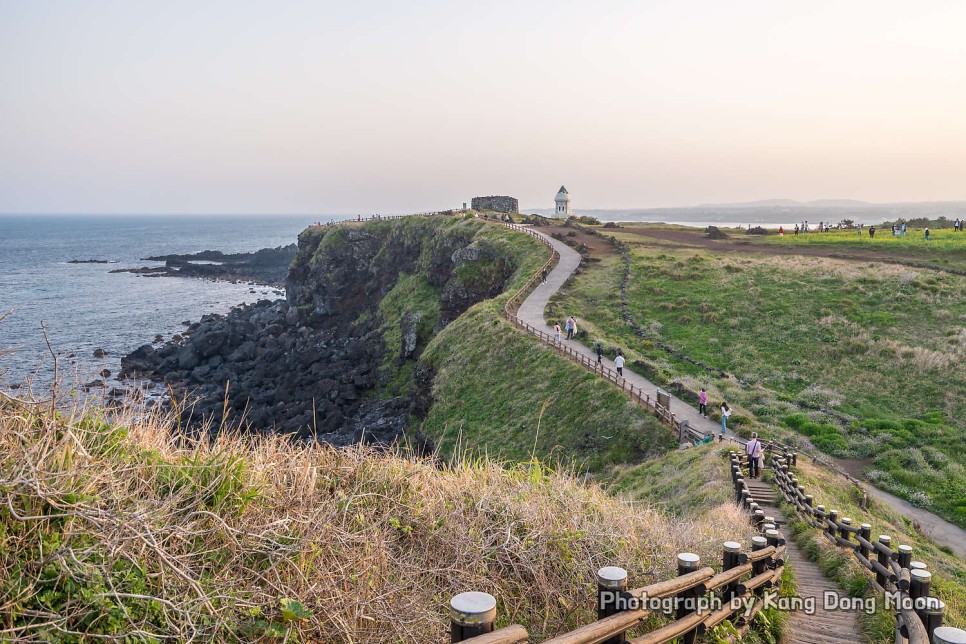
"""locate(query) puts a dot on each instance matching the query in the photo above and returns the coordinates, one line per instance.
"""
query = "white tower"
(562, 200)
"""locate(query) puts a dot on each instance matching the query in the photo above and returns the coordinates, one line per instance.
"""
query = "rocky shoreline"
(267, 266)
(318, 365)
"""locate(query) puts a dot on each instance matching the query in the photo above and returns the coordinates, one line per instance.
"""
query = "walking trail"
(822, 627)
(532, 309)
(531, 312)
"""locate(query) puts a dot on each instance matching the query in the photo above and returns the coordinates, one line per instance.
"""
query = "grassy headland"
(877, 344)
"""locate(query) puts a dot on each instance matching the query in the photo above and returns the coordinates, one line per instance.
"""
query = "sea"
(80, 308)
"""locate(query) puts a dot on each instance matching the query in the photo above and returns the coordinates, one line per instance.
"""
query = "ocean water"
(85, 307)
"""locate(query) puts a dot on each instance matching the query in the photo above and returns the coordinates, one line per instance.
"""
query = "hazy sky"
(365, 106)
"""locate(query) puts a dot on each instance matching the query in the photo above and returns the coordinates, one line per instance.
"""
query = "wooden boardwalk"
(825, 626)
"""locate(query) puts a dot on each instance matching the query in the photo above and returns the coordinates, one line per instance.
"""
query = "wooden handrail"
(890, 570)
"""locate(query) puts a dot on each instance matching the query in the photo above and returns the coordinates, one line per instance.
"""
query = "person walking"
(927, 234)
(567, 327)
(754, 451)
(600, 353)
(725, 413)
(556, 332)
(543, 275)
(781, 231)
(703, 402)
(619, 363)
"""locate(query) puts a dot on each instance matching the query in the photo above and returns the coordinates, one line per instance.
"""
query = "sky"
(242, 106)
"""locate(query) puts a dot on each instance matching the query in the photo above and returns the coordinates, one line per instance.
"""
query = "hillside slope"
(119, 525)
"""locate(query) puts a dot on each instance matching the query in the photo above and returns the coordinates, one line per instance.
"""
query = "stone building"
(500, 203)
(562, 201)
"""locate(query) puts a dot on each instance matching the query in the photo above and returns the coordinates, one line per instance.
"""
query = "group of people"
(703, 409)
(823, 227)
(570, 326)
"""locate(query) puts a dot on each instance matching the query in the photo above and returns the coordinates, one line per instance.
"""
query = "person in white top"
(619, 363)
(754, 451)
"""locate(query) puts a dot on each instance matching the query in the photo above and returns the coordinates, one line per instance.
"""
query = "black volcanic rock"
(308, 365)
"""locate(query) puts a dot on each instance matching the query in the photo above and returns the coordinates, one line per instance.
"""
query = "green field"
(945, 248)
(879, 344)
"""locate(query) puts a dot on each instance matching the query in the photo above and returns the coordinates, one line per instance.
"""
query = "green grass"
(945, 249)
(682, 482)
(878, 343)
(501, 393)
(412, 298)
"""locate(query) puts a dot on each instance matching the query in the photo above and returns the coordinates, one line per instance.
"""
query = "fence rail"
(904, 583)
(700, 597)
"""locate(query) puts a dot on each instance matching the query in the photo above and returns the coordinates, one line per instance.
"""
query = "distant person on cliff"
(871, 232)
(781, 231)
(556, 332)
(754, 452)
(957, 225)
(703, 402)
(725, 413)
(796, 229)
(600, 353)
(927, 234)
(619, 363)
(902, 230)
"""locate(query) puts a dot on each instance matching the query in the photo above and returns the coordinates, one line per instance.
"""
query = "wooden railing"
(904, 583)
(699, 597)
(636, 394)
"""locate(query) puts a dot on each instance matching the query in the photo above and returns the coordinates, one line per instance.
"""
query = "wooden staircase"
(825, 626)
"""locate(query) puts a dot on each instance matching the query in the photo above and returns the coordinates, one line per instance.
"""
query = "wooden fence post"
(844, 532)
(883, 559)
(949, 635)
(688, 562)
(731, 558)
(758, 567)
(919, 581)
(905, 556)
(611, 581)
(932, 615)
(471, 614)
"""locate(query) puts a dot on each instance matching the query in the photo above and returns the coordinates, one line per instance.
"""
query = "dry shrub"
(121, 526)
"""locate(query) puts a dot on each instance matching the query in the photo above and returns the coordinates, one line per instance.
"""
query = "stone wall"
(496, 203)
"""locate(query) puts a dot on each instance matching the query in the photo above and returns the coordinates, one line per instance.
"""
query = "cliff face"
(336, 359)
(339, 271)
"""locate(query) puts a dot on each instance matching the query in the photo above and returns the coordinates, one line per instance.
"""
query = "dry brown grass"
(115, 524)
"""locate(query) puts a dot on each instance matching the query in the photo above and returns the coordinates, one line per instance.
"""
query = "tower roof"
(562, 195)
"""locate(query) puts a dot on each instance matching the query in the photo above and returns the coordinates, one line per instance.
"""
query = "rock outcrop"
(320, 363)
